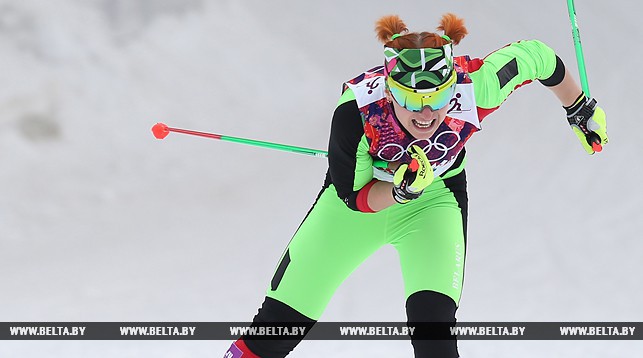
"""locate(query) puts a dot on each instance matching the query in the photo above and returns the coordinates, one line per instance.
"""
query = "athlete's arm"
(350, 164)
(567, 90)
(380, 196)
(522, 62)
(519, 63)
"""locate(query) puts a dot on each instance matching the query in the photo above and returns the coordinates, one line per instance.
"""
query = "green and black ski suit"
(429, 233)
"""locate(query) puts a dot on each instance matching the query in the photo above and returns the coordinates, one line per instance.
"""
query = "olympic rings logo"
(393, 152)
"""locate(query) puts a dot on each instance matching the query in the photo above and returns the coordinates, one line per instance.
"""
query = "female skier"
(396, 175)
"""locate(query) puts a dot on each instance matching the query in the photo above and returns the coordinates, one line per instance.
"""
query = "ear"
(389, 96)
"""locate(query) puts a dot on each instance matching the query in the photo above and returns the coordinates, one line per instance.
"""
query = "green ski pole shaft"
(578, 47)
(161, 130)
(593, 139)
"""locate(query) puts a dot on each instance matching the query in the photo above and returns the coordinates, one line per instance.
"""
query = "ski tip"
(160, 130)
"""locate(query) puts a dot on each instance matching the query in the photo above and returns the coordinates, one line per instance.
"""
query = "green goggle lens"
(415, 100)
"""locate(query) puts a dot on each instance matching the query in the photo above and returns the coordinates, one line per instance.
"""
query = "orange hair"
(389, 25)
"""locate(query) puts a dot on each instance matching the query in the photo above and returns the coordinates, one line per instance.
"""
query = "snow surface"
(99, 221)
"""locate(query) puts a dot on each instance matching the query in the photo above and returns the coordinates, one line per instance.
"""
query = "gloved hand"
(588, 122)
(410, 180)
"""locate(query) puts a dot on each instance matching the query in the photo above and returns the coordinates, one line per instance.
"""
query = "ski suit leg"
(333, 240)
(329, 245)
(431, 247)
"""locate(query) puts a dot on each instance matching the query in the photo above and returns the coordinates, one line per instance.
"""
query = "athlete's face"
(421, 125)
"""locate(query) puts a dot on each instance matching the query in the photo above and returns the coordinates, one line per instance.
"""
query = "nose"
(426, 111)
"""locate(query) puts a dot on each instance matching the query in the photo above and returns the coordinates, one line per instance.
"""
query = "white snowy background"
(99, 221)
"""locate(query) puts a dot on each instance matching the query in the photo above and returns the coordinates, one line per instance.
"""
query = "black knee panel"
(273, 311)
(431, 307)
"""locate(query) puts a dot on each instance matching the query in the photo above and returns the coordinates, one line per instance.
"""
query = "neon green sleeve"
(509, 67)
(347, 96)
(363, 165)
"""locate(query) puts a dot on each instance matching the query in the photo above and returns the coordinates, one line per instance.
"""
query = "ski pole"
(578, 47)
(161, 130)
(593, 139)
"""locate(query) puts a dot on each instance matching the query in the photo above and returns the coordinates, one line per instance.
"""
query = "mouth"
(423, 124)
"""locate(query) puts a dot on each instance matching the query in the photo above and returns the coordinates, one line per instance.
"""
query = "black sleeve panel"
(557, 76)
(346, 132)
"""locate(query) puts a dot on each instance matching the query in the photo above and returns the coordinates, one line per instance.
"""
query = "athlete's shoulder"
(368, 86)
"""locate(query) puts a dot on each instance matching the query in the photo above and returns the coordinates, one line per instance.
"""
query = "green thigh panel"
(332, 241)
(430, 242)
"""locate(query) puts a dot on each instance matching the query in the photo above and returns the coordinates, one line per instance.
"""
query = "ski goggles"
(416, 99)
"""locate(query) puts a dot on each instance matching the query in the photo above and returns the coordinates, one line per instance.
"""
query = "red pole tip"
(414, 165)
(597, 147)
(160, 130)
